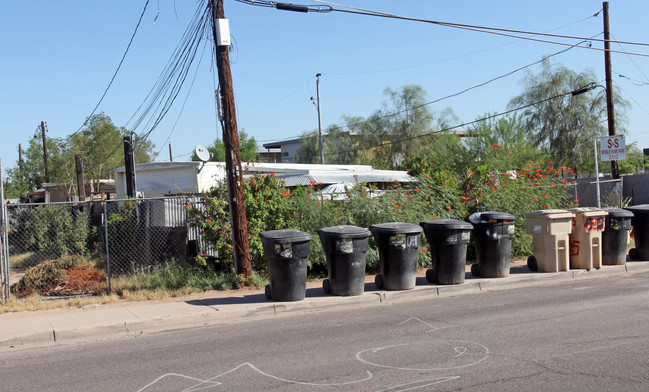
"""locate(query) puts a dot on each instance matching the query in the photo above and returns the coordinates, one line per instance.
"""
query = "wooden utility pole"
(81, 185)
(129, 167)
(171, 157)
(610, 110)
(231, 140)
(20, 157)
(45, 156)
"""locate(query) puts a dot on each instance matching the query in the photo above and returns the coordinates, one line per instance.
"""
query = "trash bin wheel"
(378, 281)
(267, 292)
(475, 270)
(326, 286)
(532, 264)
(430, 275)
(633, 254)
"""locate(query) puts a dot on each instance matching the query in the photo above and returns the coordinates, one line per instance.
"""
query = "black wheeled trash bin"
(616, 236)
(640, 225)
(493, 232)
(286, 252)
(398, 245)
(345, 247)
(448, 239)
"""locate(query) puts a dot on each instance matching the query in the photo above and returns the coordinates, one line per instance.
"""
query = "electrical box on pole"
(223, 32)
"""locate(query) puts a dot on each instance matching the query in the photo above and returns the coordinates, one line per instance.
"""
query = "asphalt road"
(581, 335)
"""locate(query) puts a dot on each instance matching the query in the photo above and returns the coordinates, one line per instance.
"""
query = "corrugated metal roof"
(347, 177)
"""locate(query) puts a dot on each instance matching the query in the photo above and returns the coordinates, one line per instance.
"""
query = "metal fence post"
(597, 174)
(107, 247)
(4, 259)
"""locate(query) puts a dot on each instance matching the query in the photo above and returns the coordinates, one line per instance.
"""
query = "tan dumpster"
(550, 231)
(586, 238)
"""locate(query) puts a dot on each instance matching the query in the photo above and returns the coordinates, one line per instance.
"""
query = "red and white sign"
(612, 148)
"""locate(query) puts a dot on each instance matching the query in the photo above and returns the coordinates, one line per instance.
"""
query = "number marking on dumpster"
(574, 248)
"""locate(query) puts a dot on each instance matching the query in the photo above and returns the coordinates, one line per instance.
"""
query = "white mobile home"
(171, 178)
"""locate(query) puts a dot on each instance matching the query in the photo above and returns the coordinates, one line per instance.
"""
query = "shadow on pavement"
(246, 299)
(522, 269)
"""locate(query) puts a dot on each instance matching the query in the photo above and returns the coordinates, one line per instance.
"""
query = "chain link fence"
(610, 193)
(76, 248)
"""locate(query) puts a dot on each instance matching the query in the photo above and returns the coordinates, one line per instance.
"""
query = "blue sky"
(59, 56)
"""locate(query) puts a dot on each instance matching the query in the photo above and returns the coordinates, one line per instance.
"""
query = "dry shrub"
(69, 274)
(84, 279)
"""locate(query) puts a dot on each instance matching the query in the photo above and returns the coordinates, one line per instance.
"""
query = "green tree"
(634, 161)
(30, 174)
(565, 126)
(401, 121)
(247, 149)
(100, 144)
(338, 147)
(309, 151)
(384, 139)
(488, 138)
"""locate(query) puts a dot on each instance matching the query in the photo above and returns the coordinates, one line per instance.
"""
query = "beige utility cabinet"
(550, 231)
(586, 238)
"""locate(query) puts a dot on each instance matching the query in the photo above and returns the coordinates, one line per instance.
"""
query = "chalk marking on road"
(460, 348)
(417, 319)
(369, 376)
(213, 383)
(411, 385)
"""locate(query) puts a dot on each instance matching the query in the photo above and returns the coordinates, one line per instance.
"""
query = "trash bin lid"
(614, 212)
(551, 214)
(446, 224)
(642, 209)
(344, 231)
(396, 228)
(284, 236)
(482, 217)
(588, 211)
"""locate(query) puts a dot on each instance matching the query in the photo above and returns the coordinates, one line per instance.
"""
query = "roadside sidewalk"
(98, 322)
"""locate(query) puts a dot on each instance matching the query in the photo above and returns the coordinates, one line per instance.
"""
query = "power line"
(166, 89)
(158, 102)
(368, 12)
(116, 71)
(633, 62)
(482, 29)
(472, 87)
(182, 109)
(390, 142)
(341, 127)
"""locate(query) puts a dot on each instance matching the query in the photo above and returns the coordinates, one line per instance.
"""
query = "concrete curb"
(48, 328)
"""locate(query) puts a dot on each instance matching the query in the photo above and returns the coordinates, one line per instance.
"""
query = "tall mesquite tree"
(387, 137)
(566, 126)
